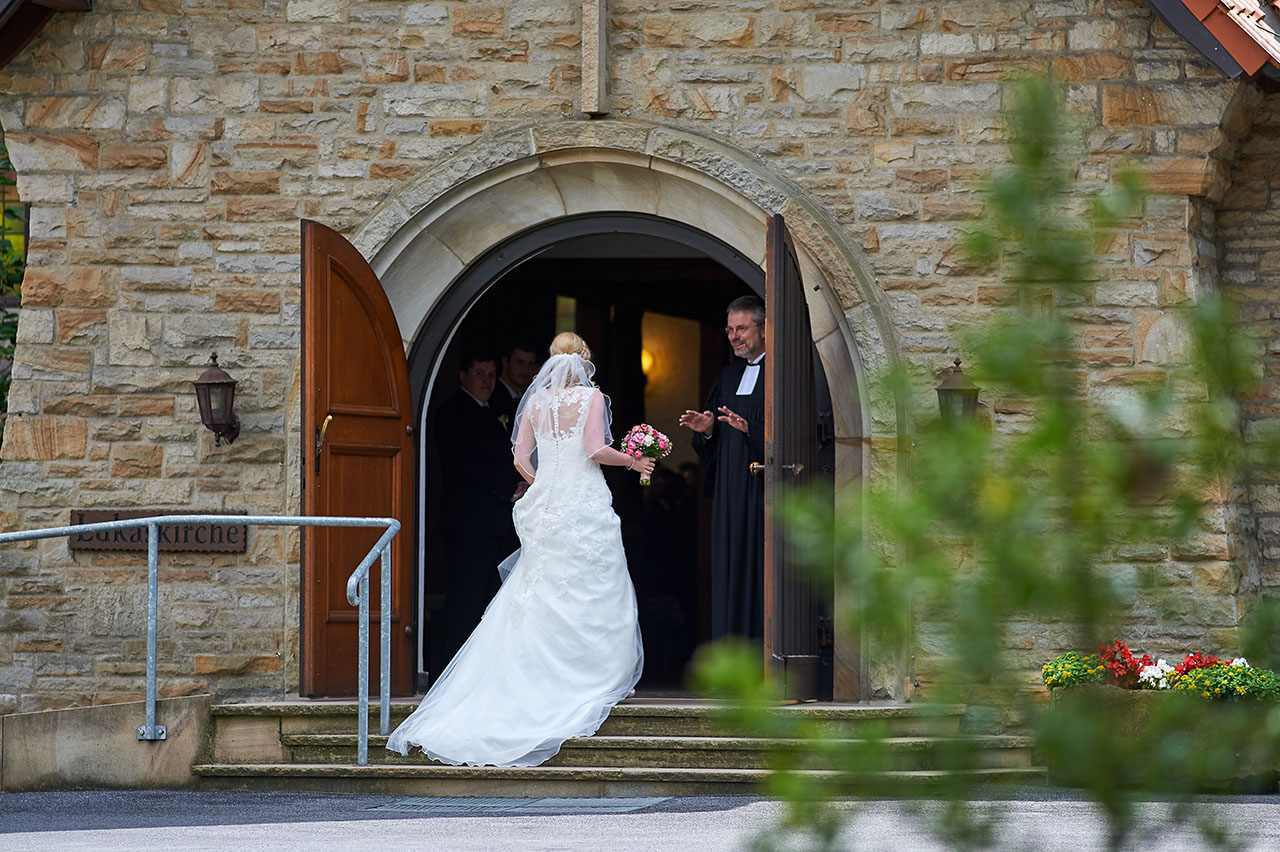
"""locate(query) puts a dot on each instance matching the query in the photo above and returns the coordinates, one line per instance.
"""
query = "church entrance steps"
(555, 781)
(662, 752)
(646, 747)
(632, 717)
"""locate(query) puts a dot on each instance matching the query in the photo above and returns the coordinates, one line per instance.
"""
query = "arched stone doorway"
(631, 284)
(430, 243)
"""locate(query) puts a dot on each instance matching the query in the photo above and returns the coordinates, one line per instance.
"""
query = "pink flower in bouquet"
(644, 440)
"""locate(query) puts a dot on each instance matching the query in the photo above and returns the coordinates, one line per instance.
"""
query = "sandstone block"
(320, 11)
(147, 95)
(833, 82)
(321, 63)
(76, 113)
(235, 664)
(1196, 176)
(80, 326)
(392, 171)
(36, 152)
(387, 68)
(120, 54)
(133, 461)
(47, 189)
(845, 22)
(477, 21)
(1171, 104)
(721, 30)
(132, 339)
(247, 301)
(949, 44)
(426, 15)
(213, 96)
(663, 31)
(1091, 66)
(35, 326)
(146, 406)
(1164, 341)
(81, 406)
(889, 154)
(134, 157)
(44, 438)
(883, 206)
(455, 128)
(246, 183)
(261, 209)
(965, 97)
(71, 286)
(427, 73)
(199, 332)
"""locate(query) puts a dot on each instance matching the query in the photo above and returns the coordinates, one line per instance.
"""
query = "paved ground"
(1035, 820)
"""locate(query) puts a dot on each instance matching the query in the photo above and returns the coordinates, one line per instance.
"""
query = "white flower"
(648, 440)
(1241, 662)
(1156, 676)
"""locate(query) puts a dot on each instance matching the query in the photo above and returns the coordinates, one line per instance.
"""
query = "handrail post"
(384, 605)
(152, 731)
(362, 676)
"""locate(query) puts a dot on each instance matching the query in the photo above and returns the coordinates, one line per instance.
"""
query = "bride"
(559, 644)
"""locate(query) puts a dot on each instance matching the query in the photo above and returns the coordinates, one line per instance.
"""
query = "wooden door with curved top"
(791, 614)
(357, 460)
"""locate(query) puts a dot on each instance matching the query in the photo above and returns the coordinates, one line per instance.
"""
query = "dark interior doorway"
(652, 311)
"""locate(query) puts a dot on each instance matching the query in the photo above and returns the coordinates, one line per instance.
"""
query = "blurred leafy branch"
(1058, 520)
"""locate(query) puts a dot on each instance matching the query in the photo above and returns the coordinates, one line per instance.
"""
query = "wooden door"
(791, 632)
(354, 379)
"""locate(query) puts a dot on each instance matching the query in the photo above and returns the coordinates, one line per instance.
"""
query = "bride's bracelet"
(633, 464)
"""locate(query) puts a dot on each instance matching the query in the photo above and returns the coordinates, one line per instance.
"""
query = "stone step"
(673, 752)
(567, 781)
(630, 718)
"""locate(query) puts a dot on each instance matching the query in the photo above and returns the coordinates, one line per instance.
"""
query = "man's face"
(745, 336)
(478, 379)
(519, 368)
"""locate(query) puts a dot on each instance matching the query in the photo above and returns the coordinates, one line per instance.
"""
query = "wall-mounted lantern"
(216, 396)
(957, 396)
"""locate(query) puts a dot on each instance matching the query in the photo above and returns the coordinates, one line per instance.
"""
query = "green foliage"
(1071, 669)
(1231, 683)
(12, 268)
(1041, 521)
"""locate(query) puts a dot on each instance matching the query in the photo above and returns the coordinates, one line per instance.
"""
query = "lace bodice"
(565, 426)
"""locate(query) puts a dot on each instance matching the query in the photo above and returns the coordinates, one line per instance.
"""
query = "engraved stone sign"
(190, 538)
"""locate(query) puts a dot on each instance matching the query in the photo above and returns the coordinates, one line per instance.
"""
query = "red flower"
(1120, 663)
(1195, 660)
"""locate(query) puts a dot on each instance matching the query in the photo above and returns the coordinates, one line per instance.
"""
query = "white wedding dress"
(559, 644)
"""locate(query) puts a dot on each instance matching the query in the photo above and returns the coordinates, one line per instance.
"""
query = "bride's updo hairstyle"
(568, 343)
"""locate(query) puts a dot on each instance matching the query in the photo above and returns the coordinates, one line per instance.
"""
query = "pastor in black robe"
(737, 506)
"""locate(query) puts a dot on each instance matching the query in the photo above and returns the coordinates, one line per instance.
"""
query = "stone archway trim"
(421, 238)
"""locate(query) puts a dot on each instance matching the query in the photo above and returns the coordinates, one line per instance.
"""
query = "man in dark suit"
(480, 486)
(519, 366)
(729, 434)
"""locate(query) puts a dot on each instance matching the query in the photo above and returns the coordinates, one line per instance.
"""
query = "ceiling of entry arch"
(620, 245)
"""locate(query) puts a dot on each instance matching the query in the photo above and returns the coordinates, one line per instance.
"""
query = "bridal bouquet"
(644, 440)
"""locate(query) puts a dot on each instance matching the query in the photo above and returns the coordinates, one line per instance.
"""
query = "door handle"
(796, 469)
(324, 427)
(756, 468)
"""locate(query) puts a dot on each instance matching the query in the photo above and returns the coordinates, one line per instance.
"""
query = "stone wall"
(169, 149)
(1249, 240)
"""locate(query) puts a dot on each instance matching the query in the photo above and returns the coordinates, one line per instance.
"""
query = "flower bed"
(1206, 676)
(1145, 724)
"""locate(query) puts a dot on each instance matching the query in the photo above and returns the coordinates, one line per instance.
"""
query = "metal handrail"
(357, 595)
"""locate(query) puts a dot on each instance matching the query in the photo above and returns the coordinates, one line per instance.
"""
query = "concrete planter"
(1160, 740)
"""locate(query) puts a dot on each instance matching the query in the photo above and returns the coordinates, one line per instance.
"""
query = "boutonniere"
(505, 420)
